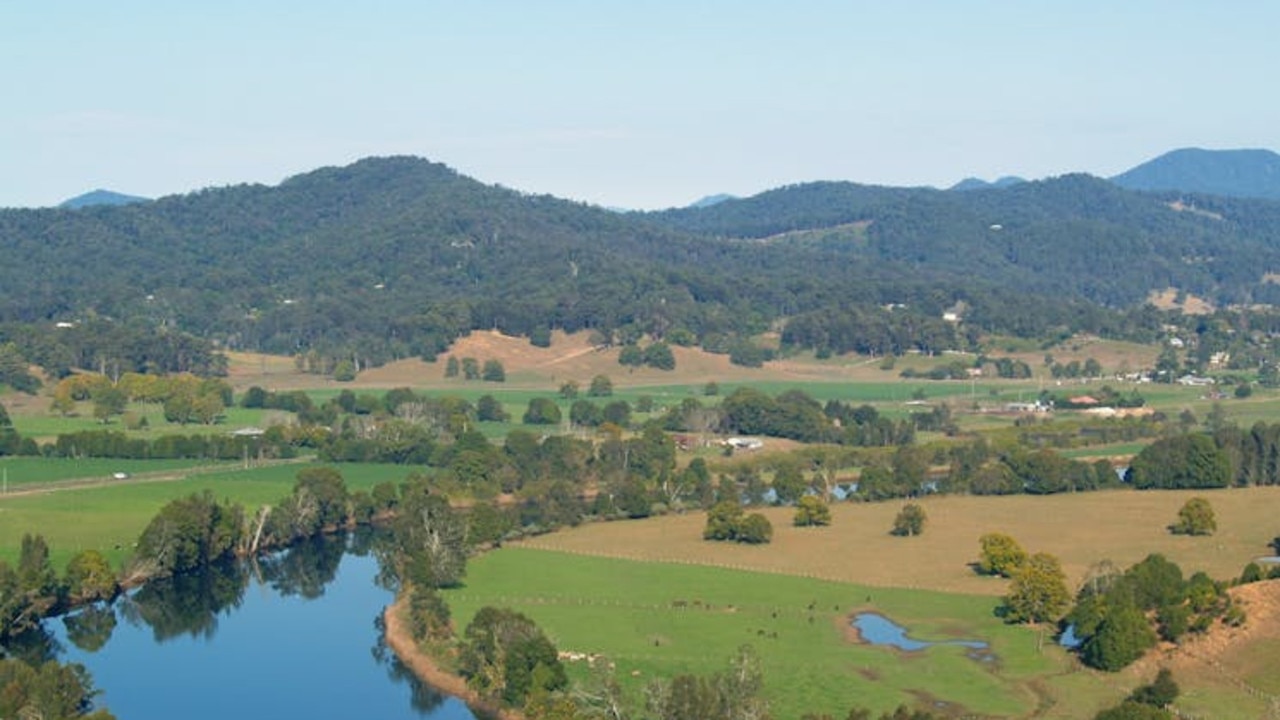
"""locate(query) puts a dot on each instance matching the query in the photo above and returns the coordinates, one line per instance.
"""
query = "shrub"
(1195, 518)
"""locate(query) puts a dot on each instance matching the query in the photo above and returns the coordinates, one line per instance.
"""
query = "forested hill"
(1072, 236)
(1230, 173)
(386, 248)
(390, 257)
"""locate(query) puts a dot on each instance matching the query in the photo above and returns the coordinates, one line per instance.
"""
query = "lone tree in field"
(1195, 518)
(910, 521)
(811, 511)
(1001, 555)
(727, 521)
(1039, 591)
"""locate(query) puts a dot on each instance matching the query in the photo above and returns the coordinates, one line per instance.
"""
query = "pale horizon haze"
(636, 105)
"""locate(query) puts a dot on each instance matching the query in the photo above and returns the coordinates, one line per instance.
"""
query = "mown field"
(658, 619)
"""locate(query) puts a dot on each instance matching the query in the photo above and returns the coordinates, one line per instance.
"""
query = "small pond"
(876, 629)
(1068, 639)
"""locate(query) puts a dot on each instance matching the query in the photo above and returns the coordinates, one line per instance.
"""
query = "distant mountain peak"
(973, 183)
(710, 200)
(101, 197)
(1247, 173)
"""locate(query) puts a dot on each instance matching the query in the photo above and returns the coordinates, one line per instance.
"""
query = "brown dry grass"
(1113, 355)
(570, 357)
(1122, 526)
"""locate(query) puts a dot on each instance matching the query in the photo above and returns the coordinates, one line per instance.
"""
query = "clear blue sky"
(635, 104)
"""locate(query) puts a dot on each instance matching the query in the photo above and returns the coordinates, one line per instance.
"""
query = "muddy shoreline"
(401, 642)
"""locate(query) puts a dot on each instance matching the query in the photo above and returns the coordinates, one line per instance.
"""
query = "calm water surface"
(295, 635)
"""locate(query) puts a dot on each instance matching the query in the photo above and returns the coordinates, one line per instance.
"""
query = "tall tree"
(1039, 592)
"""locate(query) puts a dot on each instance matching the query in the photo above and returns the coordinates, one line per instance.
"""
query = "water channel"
(296, 634)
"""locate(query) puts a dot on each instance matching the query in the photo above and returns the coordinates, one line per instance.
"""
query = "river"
(297, 634)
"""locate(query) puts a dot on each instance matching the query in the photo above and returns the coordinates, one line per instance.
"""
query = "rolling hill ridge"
(393, 257)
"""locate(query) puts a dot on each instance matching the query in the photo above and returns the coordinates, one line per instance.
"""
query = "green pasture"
(109, 517)
(657, 620)
(21, 472)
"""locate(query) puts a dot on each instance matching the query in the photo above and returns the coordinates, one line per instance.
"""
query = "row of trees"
(656, 355)
(1229, 456)
(198, 530)
(186, 398)
(470, 369)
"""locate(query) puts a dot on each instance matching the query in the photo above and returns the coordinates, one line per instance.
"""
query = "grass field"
(609, 588)
(656, 620)
(110, 517)
(1081, 529)
(23, 472)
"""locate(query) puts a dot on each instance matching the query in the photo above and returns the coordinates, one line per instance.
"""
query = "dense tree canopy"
(1183, 461)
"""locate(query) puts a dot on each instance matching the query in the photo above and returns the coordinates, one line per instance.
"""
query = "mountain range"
(1231, 173)
(389, 257)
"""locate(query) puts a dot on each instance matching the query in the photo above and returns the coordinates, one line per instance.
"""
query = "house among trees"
(1038, 406)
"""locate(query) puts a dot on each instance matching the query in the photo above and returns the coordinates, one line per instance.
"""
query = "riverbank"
(402, 643)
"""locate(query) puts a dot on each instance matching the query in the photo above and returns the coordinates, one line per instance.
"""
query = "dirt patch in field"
(1167, 299)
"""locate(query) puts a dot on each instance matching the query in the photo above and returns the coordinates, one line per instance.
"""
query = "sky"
(640, 104)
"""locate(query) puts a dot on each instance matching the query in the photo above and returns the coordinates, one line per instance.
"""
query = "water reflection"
(91, 628)
(34, 647)
(304, 569)
(187, 604)
(294, 634)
